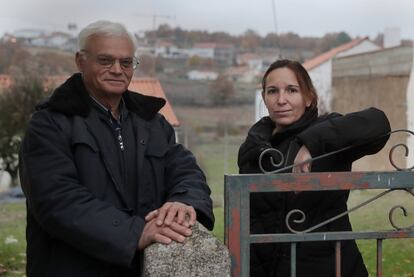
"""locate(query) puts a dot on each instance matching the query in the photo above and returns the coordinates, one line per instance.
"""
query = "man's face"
(102, 78)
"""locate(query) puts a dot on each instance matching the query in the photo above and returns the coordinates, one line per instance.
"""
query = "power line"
(276, 29)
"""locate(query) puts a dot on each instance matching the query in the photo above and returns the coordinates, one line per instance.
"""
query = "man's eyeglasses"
(108, 61)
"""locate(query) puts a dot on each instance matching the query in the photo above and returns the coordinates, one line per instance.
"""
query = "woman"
(294, 128)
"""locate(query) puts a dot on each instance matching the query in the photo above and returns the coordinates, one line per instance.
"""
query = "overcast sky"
(305, 17)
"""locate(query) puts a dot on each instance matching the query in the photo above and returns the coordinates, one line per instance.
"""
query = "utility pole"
(154, 22)
(279, 49)
(155, 17)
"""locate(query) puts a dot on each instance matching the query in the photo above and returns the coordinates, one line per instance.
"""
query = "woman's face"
(283, 97)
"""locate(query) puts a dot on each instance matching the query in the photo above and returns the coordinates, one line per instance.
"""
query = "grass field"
(12, 239)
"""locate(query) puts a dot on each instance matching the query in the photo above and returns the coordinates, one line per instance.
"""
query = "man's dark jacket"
(78, 222)
(367, 131)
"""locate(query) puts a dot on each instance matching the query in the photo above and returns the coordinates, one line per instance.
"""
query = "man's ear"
(79, 61)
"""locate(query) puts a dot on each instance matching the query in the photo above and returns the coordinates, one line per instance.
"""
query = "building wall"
(378, 79)
(260, 110)
(322, 80)
(322, 74)
(207, 53)
(363, 47)
(391, 61)
(410, 115)
(201, 75)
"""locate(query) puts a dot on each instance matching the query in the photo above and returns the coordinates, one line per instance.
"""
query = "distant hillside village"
(198, 68)
(207, 55)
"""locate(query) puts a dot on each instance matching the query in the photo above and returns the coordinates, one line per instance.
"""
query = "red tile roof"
(207, 45)
(163, 43)
(212, 45)
(314, 62)
(152, 87)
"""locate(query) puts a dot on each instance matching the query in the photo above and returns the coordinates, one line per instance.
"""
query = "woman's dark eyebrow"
(294, 86)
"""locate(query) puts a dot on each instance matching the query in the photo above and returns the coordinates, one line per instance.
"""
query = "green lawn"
(12, 239)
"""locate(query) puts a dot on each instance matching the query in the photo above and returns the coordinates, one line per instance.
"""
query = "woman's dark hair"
(305, 82)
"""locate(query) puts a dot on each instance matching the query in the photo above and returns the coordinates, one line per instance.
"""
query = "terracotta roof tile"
(309, 64)
(207, 45)
(152, 87)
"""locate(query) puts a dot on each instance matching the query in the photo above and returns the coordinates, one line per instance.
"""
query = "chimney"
(392, 37)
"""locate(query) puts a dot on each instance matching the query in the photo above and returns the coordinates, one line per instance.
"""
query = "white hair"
(104, 28)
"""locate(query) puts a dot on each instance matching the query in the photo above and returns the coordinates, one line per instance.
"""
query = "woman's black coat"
(368, 130)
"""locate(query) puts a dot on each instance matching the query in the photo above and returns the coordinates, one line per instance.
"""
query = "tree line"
(250, 40)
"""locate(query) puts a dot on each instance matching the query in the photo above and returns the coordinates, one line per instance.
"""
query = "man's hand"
(303, 155)
(162, 234)
(173, 212)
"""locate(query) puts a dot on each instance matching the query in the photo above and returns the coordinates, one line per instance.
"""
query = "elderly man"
(101, 170)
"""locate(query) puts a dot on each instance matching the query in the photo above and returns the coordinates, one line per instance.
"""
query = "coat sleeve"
(185, 181)
(367, 130)
(66, 209)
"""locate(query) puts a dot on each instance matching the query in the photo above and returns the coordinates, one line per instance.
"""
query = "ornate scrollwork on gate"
(297, 216)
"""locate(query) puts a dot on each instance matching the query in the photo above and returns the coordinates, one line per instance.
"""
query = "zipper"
(116, 124)
(119, 134)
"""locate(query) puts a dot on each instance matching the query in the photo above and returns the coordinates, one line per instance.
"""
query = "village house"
(242, 74)
(51, 40)
(202, 75)
(167, 49)
(320, 68)
(221, 52)
(252, 60)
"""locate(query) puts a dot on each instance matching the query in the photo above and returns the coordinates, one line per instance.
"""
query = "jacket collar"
(261, 132)
(71, 98)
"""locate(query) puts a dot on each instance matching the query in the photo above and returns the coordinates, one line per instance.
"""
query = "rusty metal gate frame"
(237, 210)
(237, 189)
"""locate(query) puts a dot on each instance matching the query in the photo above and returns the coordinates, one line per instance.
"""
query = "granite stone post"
(200, 255)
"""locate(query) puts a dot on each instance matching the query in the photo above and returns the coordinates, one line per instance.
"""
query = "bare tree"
(221, 90)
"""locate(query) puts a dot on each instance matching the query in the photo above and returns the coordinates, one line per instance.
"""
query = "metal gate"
(237, 211)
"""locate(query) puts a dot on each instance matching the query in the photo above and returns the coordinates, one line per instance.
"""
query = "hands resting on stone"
(171, 222)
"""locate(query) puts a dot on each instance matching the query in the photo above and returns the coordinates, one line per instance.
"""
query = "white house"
(53, 40)
(320, 67)
(202, 75)
(252, 60)
(165, 49)
(203, 50)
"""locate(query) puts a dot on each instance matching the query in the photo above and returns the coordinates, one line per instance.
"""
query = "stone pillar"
(201, 255)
